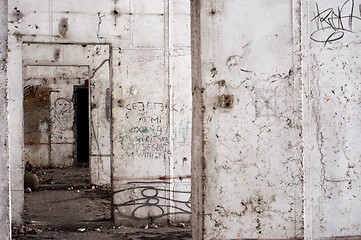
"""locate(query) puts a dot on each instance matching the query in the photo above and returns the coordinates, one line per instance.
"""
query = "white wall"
(283, 161)
(149, 75)
(248, 161)
(151, 106)
(5, 229)
(332, 118)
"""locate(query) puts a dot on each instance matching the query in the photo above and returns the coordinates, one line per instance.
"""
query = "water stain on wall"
(63, 27)
(36, 112)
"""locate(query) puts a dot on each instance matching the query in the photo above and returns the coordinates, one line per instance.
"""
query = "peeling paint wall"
(332, 109)
(5, 218)
(247, 122)
(147, 69)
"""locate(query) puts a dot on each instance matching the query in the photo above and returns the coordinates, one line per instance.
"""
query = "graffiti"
(150, 119)
(183, 131)
(155, 131)
(152, 202)
(146, 146)
(63, 113)
(148, 136)
(36, 96)
(151, 147)
(142, 106)
(62, 121)
(332, 24)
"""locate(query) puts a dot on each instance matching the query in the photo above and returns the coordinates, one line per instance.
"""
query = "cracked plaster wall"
(250, 168)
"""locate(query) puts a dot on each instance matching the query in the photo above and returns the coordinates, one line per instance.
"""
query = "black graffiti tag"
(332, 24)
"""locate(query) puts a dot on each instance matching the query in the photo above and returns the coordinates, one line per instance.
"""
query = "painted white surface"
(5, 216)
(267, 174)
(16, 141)
(332, 109)
(149, 75)
(155, 120)
(250, 167)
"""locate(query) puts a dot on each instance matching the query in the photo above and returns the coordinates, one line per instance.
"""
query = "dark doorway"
(81, 124)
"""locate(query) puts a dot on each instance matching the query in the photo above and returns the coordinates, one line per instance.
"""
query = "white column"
(247, 134)
(5, 229)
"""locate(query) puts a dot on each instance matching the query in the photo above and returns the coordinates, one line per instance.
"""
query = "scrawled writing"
(62, 120)
(143, 106)
(333, 23)
(147, 136)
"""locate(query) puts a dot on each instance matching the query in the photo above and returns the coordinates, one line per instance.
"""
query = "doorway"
(81, 124)
(71, 168)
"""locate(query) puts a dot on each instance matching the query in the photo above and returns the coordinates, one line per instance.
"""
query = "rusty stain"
(63, 27)
(36, 106)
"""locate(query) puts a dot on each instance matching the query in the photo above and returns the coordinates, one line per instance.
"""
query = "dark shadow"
(81, 124)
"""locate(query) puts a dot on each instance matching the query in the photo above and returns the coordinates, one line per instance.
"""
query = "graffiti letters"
(332, 24)
(155, 131)
(150, 196)
(147, 137)
(142, 106)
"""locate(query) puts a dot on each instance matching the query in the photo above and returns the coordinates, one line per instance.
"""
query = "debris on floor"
(67, 206)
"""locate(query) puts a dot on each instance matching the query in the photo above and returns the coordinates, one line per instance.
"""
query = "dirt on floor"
(67, 206)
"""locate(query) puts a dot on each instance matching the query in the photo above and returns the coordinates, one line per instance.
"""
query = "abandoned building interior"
(240, 118)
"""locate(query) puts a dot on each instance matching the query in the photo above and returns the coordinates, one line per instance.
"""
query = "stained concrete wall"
(246, 183)
(5, 218)
(154, 115)
(147, 100)
(276, 118)
(332, 118)
(248, 162)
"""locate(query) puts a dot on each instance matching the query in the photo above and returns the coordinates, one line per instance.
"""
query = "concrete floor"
(68, 207)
